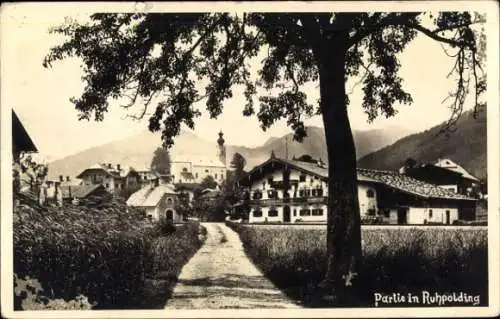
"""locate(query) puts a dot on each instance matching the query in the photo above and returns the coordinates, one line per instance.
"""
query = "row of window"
(273, 194)
(302, 212)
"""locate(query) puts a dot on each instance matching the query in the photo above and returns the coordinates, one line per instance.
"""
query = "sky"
(41, 96)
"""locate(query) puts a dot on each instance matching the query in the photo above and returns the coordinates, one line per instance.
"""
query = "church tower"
(221, 148)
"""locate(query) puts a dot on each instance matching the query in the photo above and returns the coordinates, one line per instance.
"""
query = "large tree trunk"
(344, 225)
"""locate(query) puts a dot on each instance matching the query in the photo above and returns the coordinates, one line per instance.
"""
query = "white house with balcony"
(296, 191)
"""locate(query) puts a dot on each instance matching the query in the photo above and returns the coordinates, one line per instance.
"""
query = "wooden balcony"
(285, 201)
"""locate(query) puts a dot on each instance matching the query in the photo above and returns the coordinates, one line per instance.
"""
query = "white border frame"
(493, 115)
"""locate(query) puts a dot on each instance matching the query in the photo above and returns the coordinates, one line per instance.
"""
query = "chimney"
(61, 178)
(110, 165)
(67, 178)
(118, 166)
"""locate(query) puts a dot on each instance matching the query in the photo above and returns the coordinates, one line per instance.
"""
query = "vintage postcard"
(268, 159)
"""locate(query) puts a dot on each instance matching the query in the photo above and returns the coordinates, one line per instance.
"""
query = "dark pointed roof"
(21, 140)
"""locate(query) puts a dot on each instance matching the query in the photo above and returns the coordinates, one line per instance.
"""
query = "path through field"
(220, 276)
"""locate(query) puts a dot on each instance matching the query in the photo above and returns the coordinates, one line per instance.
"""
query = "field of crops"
(106, 252)
(394, 260)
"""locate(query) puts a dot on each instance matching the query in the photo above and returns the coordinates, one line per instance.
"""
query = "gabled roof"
(452, 166)
(81, 191)
(391, 179)
(410, 185)
(150, 196)
(189, 186)
(20, 138)
(110, 171)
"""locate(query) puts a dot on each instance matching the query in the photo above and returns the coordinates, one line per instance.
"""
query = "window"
(169, 201)
(294, 212)
(257, 213)
(308, 192)
(371, 212)
(430, 213)
(206, 171)
(313, 192)
(317, 212)
(215, 175)
(319, 192)
(107, 185)
(301, 193)
(370, 193)
(302, 178)
(184, 169)
(387, 213)
(196, 175)
(272, 194)
(305, 212)
(270, 180)
(257, 194)
(272, 213)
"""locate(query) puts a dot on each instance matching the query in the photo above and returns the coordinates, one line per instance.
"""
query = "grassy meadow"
(404, 260)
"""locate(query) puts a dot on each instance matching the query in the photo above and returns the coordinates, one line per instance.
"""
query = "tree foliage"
(143, 56)
(208, 182)
(161, 161)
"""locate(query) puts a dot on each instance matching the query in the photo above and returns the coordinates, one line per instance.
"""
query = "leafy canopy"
(163, 57)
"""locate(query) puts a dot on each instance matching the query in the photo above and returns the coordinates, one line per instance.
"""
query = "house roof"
(189, 186)
(150, 196)
(391, 179)
(410, 185)
(452, 166)
(110, 171)
(81, 191)
(199, 160)
(20, 138)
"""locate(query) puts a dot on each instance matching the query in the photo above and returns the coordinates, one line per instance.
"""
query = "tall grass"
(394, 260)
(103, 250)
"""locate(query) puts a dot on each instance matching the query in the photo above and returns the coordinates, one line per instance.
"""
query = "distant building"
(392, 197)
(190, 169)
(158, 199)
(145, 175)
(113, 178)
(444, 173)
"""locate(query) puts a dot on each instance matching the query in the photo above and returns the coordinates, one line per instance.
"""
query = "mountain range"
(381, 149)
(466, 145)
(138, 149)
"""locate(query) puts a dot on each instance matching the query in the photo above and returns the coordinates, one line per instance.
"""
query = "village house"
(26, 182)
(21, 140)
(444, 173)
(158, 199)
(113, 178)
(392, 197)
(190, 169)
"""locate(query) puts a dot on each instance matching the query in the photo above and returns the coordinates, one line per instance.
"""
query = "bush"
(395, 260)
(99, 251)
(163, 227)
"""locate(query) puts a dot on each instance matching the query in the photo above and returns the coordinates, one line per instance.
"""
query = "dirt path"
(220, 276)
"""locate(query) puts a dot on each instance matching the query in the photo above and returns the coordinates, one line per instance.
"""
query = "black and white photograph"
(239, 159)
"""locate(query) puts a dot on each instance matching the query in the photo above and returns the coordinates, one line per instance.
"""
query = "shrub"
(98, 250)
(394, 260)
(163, 227)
